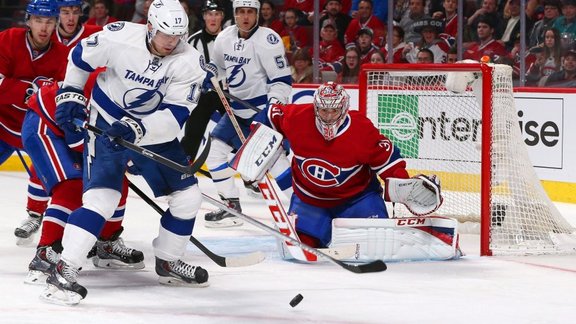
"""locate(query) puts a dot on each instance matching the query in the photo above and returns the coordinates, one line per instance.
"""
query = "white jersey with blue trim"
(256, 69)
(161, 92)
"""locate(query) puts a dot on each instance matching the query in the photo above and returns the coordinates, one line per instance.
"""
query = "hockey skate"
(24, 233)
(113, 254)
(62, 288)
(45, 259)
(222, 218)
(252, 189)
(179, 273)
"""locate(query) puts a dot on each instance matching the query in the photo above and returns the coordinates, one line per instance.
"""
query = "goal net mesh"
(440, 132)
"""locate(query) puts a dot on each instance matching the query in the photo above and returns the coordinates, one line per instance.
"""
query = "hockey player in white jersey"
(150, 86)
(253, 62)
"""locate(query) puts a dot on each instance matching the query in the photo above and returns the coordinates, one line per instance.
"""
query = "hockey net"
(472, 141)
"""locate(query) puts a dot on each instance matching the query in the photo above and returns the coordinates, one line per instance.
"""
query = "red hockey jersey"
(327, 173)
(18, 65)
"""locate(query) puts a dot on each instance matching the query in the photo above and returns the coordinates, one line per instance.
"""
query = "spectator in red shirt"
(364, 45)
(397, 45)
(269, 16)
(293, 35)
(366, 19)
(486, 44)
(101, 14)
(332, 11)
(331, 51)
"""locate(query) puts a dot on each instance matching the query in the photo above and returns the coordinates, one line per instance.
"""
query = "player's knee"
(184, 204)
(68, 194)
(102, 201)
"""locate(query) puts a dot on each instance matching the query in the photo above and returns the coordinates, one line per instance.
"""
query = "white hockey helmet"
(332, 96)
(168, 17)
(246, 4)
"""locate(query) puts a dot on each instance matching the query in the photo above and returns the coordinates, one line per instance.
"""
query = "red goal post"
(470, 138)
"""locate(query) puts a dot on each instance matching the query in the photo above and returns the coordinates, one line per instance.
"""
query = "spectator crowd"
(354, 32)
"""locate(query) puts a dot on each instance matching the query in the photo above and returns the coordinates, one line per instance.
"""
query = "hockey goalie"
(340, 163)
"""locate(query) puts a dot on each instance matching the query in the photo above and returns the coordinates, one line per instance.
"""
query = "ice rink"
(474, 289)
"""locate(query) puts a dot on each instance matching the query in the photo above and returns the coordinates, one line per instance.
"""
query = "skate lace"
(119, 248)
(69, 272)
(182, 268)
(30, 224)
(52, 256)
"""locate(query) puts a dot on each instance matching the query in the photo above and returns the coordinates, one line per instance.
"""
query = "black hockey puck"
(296, 300)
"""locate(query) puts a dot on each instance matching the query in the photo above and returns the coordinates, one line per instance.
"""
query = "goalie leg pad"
(258, 154)
(402, 239)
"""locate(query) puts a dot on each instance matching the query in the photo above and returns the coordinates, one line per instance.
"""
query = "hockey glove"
(35, 85)
(211, 71)
(74, 139)
(70, 105)
(127, 129)
(420, 194)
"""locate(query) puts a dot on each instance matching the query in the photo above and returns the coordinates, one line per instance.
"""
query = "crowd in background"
(354, 32)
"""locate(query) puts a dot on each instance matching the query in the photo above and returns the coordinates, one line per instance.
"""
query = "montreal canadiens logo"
(320, 172)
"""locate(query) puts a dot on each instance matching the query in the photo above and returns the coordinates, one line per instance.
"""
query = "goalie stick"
(267, 190)
(240, 261)
(187, 169)
(373, 266)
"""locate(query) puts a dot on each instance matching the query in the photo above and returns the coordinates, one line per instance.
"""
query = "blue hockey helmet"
(42, 8)
(70, 3)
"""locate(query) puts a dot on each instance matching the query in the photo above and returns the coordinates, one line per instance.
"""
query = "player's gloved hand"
(127, 129)
(70, 105)
(35, 85)
(421, 194)
(75, 139)
(211, 71)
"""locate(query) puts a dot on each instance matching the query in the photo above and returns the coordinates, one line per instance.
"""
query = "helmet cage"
(330, 95)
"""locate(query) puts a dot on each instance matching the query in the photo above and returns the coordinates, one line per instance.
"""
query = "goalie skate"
(62, 288)
(222, 218)
(39, 268)
(179, 273)
(114, 254)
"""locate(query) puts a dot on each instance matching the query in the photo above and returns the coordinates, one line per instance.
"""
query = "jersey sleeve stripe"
(76, 56)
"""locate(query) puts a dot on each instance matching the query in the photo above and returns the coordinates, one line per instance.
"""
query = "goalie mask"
(168, 17)
(331, 103)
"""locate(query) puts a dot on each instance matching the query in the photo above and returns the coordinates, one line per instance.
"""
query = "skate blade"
(116, 264)
(175, 282)
(35, 277)
(225, 223)
(56, 296)
(26, 241)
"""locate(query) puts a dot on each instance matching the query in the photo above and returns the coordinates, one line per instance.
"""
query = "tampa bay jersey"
(328, 173)
(161, 92)
(255, 68)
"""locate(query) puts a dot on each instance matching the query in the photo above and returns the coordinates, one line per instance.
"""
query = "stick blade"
(245, 260)
(374, 266)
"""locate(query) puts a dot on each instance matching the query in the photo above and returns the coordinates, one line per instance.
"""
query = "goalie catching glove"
(258, 154)
(420, 194)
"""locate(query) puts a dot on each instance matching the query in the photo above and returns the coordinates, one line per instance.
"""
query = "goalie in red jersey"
(339, 158)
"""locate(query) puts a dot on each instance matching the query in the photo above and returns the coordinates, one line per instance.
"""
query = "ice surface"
(538, 289)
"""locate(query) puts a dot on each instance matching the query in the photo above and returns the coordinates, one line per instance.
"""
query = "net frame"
(564, 238)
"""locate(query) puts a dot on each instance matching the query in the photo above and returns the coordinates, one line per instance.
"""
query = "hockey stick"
(187, 169)
(241, 261)
(23, 162)
(373, 266)
(267, 189)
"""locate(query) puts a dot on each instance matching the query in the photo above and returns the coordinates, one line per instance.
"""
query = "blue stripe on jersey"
(103, 101)
(77, 59)
(256, 102)
(181, 113)
(176, 225)
(57, 214)
(284, 79)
